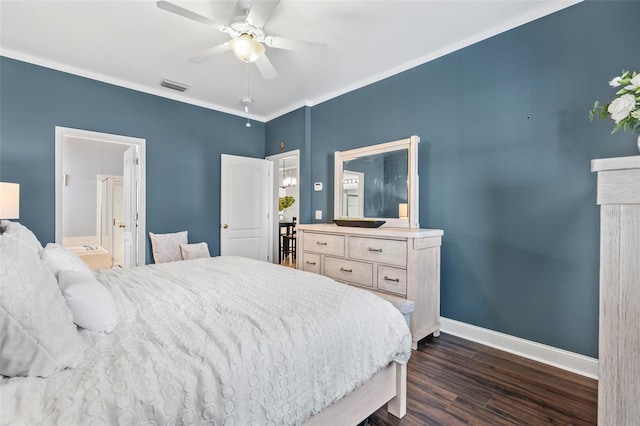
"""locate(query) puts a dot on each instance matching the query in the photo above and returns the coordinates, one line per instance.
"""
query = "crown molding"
(546, 9)
(46, 63)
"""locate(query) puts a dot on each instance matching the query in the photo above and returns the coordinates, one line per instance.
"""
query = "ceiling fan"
(248, 39)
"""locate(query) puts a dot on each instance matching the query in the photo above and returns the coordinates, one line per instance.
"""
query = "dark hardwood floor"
(452, 381)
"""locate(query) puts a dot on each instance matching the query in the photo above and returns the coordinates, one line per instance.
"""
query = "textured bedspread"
(225, 341)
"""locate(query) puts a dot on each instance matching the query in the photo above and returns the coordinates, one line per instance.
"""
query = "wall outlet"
(318, 214)
(317, 186)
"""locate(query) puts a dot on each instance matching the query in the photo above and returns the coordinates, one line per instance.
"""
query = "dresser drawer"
(324, 243)
(348, 270)
(391, 252)
(393, 280)
(311, 262)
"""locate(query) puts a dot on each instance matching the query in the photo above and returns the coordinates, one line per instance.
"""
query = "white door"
(131, 187)
(117, 212)
(105, 214)
(245, 204)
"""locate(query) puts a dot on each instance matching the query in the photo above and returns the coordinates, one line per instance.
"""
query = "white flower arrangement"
(625, 108)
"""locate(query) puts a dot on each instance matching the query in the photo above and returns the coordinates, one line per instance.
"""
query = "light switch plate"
(318, 214)
(317, 186)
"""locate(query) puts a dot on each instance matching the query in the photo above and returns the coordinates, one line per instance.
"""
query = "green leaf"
(285, 202)
(618, 127)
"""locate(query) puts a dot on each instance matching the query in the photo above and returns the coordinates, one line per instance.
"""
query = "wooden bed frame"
(388, 385)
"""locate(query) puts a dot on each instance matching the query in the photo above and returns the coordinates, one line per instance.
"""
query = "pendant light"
(246, 101)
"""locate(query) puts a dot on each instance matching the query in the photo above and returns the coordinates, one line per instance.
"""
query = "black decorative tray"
(359, 223)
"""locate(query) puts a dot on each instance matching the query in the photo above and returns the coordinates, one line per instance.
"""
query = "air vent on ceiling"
(174, 85)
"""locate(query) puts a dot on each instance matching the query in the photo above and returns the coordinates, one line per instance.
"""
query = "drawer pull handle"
(310, 263)
(346, 270)
(321, 244)
(377, 250)
(395, 280)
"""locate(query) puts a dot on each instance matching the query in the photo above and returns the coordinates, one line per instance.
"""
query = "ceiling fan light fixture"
(246, 48)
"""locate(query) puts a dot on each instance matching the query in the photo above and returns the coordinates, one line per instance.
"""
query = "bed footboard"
(398, 405)
(386, 386)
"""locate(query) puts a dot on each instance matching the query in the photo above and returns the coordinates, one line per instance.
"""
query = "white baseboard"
(570, 361)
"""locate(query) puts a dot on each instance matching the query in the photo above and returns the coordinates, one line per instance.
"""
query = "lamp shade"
(246, 48)
(9, 200)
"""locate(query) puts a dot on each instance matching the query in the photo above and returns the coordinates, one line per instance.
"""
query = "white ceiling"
(135, 44)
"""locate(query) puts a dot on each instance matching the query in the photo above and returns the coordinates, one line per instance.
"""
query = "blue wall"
(514, 195)
(293, 129)
(184, 143)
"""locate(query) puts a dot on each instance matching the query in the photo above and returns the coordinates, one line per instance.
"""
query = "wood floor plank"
(452, 381)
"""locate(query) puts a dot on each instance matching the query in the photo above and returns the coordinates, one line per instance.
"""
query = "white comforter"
(225, 341)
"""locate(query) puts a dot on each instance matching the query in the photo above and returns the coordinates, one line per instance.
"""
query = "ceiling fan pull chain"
(246, 101)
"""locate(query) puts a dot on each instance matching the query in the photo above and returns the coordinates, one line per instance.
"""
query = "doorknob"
(225, 226)
(121, 225)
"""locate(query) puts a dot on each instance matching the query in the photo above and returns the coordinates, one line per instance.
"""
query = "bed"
(225, 341)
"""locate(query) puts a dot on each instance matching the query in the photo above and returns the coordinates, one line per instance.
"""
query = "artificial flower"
(621, 107)
(615, 82)
(625, 107)
(635, 83)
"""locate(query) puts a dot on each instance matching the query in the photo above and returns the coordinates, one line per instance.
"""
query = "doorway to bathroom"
(100, 197)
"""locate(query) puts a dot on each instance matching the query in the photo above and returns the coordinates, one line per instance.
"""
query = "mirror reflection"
(376, 185)
(378, 182)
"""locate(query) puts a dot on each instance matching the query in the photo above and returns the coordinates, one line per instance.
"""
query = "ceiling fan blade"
(206, 54)
(290, 44)
(261, 11)
(266, 68)
(173, 8)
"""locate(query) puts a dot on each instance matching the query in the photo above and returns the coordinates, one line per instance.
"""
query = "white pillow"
(166, 247)
(24, 234)
(194, 251)
(58, 258)
(37, 334)
(91, 303)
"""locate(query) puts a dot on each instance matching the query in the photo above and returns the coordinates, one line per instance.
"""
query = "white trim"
(160, 91)
(60, 133)
(546, 9)
(570, 361)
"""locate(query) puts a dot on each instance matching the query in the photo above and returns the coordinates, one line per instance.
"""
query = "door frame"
(60, 134)
(274, 186)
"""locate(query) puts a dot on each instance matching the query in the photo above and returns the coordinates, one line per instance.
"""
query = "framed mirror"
(378, 182)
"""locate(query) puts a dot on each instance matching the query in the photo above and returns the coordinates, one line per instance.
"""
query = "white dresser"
(619, 342)
(395, 263)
